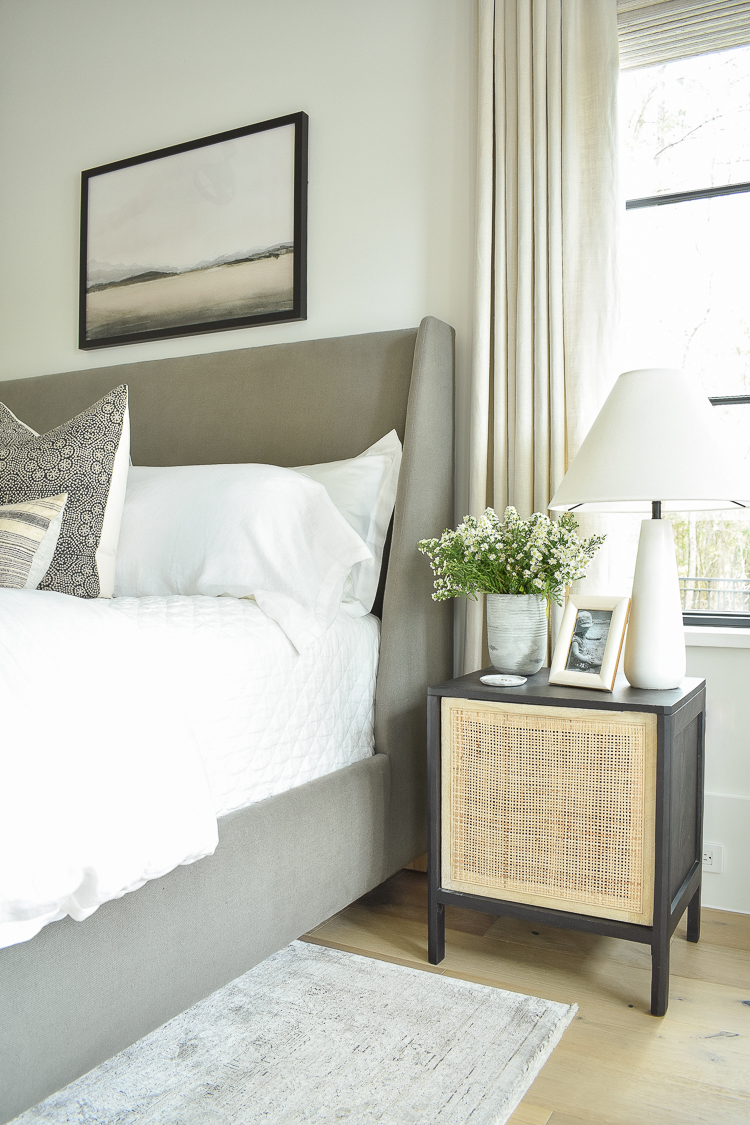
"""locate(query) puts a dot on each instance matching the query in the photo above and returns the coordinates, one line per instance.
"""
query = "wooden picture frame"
(590, 641)
(199, 237)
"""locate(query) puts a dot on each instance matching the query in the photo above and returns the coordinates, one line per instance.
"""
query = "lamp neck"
(656, 509)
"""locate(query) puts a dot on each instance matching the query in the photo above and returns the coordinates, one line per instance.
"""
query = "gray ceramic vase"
(517, 632)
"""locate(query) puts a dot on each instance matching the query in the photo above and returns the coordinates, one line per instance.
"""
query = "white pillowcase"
(244, 530)
(363, 489)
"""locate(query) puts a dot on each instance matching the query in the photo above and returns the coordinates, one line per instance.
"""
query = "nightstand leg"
(435, 932)
(660, 974)
(694, 917)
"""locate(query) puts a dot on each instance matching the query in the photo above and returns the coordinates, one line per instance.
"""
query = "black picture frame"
(139, 298)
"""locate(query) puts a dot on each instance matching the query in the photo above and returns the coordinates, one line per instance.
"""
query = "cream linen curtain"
(547, 209)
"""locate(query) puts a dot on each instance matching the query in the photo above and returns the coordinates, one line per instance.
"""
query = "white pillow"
(363, 489)
(244, 530)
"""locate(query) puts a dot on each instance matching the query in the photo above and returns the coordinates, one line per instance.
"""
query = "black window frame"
(704, 618)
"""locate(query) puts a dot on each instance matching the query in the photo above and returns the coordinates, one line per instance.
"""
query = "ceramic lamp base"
(655, 645)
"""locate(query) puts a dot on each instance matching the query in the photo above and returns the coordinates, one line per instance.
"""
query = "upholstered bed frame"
(81, 991)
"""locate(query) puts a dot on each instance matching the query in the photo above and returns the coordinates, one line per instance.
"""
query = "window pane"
(686, 304)
(686, 124)
(686, 293)
(685, 289)
(713, 557)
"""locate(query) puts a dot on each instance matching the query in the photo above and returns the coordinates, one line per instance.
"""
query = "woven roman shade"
(652, 33)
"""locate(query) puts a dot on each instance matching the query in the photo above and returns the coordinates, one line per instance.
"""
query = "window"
(685, 162)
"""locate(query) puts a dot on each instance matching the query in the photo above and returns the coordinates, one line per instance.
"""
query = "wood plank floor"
(616, 1064)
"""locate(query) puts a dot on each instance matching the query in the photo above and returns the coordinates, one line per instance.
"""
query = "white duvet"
(129, 725)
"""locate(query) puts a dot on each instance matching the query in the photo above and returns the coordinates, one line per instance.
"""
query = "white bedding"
(265, 717)
(129, 725)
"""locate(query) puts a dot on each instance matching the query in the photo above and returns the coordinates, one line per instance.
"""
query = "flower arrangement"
(513, 556)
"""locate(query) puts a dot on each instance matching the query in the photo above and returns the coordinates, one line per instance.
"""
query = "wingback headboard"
(298, 404)
(286, 404)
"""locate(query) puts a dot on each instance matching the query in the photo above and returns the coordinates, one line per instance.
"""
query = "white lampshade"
(655, 438)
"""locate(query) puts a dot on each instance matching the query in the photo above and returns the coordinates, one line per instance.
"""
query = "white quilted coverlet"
(265, 717)
(128, 726)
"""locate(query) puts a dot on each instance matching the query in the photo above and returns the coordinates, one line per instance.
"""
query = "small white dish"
(503, 681)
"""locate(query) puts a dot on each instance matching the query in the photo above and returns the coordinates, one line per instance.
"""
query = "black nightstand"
(576, 808)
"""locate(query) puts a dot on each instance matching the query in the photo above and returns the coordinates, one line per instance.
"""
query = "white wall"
(722, 656)
(389, 89)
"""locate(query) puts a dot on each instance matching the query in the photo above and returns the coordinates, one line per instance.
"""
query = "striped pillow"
(28, 537)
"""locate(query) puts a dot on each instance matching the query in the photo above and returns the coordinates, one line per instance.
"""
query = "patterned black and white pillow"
(87, 458)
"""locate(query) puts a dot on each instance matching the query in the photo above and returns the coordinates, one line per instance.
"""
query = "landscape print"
(194, 238)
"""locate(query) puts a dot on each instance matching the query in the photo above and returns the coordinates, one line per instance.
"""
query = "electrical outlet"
(713, 858)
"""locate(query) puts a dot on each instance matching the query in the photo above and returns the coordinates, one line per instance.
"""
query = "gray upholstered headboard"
(302, 403)
(287, 404)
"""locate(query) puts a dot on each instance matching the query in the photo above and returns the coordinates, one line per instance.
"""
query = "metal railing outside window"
(715, 595)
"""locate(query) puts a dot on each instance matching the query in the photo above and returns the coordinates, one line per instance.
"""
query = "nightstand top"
(538, 691)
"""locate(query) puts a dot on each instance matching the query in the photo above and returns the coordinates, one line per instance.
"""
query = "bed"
(78, 992)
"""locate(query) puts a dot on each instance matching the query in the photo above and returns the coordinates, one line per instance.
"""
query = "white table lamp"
(655, 446)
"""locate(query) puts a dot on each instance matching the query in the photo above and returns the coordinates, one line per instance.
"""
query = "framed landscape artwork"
(198, 237)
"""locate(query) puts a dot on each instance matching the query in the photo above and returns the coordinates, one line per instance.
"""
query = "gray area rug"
(318, 1036)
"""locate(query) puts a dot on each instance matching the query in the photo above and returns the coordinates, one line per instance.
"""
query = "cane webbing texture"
(551, 806)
